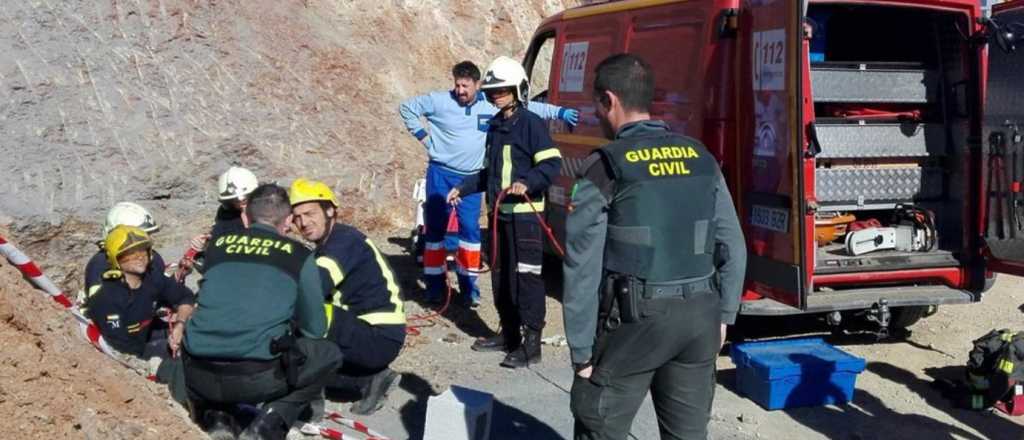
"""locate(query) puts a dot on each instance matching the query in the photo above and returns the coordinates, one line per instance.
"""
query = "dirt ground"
(54, 385)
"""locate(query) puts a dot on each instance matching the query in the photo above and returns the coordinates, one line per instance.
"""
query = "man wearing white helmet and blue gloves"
(123, 213)
(457, 123)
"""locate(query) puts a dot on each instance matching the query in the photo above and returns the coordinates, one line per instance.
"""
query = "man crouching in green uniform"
(652, 225)
(241, 345)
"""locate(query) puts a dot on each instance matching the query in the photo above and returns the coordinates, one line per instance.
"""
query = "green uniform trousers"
(670, 352)
(221, 385)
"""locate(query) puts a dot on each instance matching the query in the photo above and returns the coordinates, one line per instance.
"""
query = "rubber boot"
(499, 342)
(219, 425)
(375, 394)
(268, 426)
(528, 353)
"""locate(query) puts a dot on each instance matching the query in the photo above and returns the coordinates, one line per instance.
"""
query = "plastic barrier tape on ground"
(38, 279)
(334, 434)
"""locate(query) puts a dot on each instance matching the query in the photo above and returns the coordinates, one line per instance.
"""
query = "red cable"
(414, 328)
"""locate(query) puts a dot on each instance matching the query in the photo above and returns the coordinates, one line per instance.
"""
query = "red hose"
(413, 329)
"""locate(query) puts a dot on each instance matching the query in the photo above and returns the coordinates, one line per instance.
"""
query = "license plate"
(772, 219)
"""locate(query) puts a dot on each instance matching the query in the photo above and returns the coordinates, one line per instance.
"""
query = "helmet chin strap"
(330, 226)
(511, 105)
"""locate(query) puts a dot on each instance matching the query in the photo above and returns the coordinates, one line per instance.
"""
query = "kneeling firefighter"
(257, 334)
(654, 267)
(365, 314)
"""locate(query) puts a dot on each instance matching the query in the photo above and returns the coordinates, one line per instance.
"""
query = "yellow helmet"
(122, 239)
(303, 191)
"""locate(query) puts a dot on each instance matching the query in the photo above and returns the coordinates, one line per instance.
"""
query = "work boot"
(528, 353)
(219, 425)
(375, 394)
(268, 426)
(315, 411)
(498, 342)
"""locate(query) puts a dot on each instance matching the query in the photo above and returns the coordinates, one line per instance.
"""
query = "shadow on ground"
(508, 422)
(867, 417)
(458, 312)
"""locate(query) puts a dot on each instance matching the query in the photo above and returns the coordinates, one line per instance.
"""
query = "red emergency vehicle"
(868, 168)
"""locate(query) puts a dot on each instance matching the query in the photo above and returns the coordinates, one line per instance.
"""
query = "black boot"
(268, 426)
(506, 341)
(219, 425)
(375, 394)
(528, 353)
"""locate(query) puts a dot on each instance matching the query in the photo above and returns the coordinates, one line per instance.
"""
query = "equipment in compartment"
(912, 230)
(830, 226)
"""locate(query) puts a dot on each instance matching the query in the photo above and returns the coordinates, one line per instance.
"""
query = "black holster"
(292, 358)
(621, 298)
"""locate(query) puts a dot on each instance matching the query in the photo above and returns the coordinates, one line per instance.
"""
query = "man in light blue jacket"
(456, 127)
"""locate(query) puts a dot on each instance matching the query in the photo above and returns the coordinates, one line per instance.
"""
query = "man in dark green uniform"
(654, 267)
(257, 335)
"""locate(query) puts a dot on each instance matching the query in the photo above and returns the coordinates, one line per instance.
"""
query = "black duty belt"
(677, 290)
(232, 367)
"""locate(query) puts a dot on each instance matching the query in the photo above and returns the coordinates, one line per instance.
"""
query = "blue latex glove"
(571, 116)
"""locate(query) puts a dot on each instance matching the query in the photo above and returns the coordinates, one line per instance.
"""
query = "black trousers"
(517, 282)
(222, 385)
(671, 353)
(367, 349)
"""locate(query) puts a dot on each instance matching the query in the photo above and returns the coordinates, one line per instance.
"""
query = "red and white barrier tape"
(334, 434)
(42, 282)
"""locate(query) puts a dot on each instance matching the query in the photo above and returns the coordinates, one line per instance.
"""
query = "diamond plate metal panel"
(853, 141)
(865, 185)
(873, 85)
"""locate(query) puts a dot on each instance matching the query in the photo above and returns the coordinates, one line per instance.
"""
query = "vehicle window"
(540, 73)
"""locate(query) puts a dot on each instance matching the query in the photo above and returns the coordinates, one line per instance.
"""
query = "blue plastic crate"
(795, 372)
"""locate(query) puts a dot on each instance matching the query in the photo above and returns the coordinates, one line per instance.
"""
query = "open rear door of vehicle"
(1003, 141)
(769, 187)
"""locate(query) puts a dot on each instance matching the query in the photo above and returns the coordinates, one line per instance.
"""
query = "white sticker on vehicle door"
(769, 60)
(772, 219)
(574, 61)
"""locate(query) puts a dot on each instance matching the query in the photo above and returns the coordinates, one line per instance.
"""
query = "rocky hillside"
(148, 100)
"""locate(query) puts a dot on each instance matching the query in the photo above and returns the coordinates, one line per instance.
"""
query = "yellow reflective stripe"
(1006, 366)
(521, 208)
(1007, 336)
(546, 154)
(506, 166)
(337, 276)
(332, 267)
(383, 318)
(92, 290)
(396, 316)
(329, 312)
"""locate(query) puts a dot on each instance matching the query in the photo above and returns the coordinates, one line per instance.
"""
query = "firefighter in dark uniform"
(522, 160)
(123, 213)
(654, 267)
(124, 304)
(364, 309)
(233, 188)
(257, 336)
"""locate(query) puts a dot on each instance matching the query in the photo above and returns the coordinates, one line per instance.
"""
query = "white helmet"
(506, 72)
(236, 183)
(131, 214)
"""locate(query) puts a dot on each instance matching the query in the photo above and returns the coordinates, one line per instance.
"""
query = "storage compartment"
(890, 127)
(795, 372)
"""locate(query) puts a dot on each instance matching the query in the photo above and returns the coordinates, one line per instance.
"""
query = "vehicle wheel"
(905, 317)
